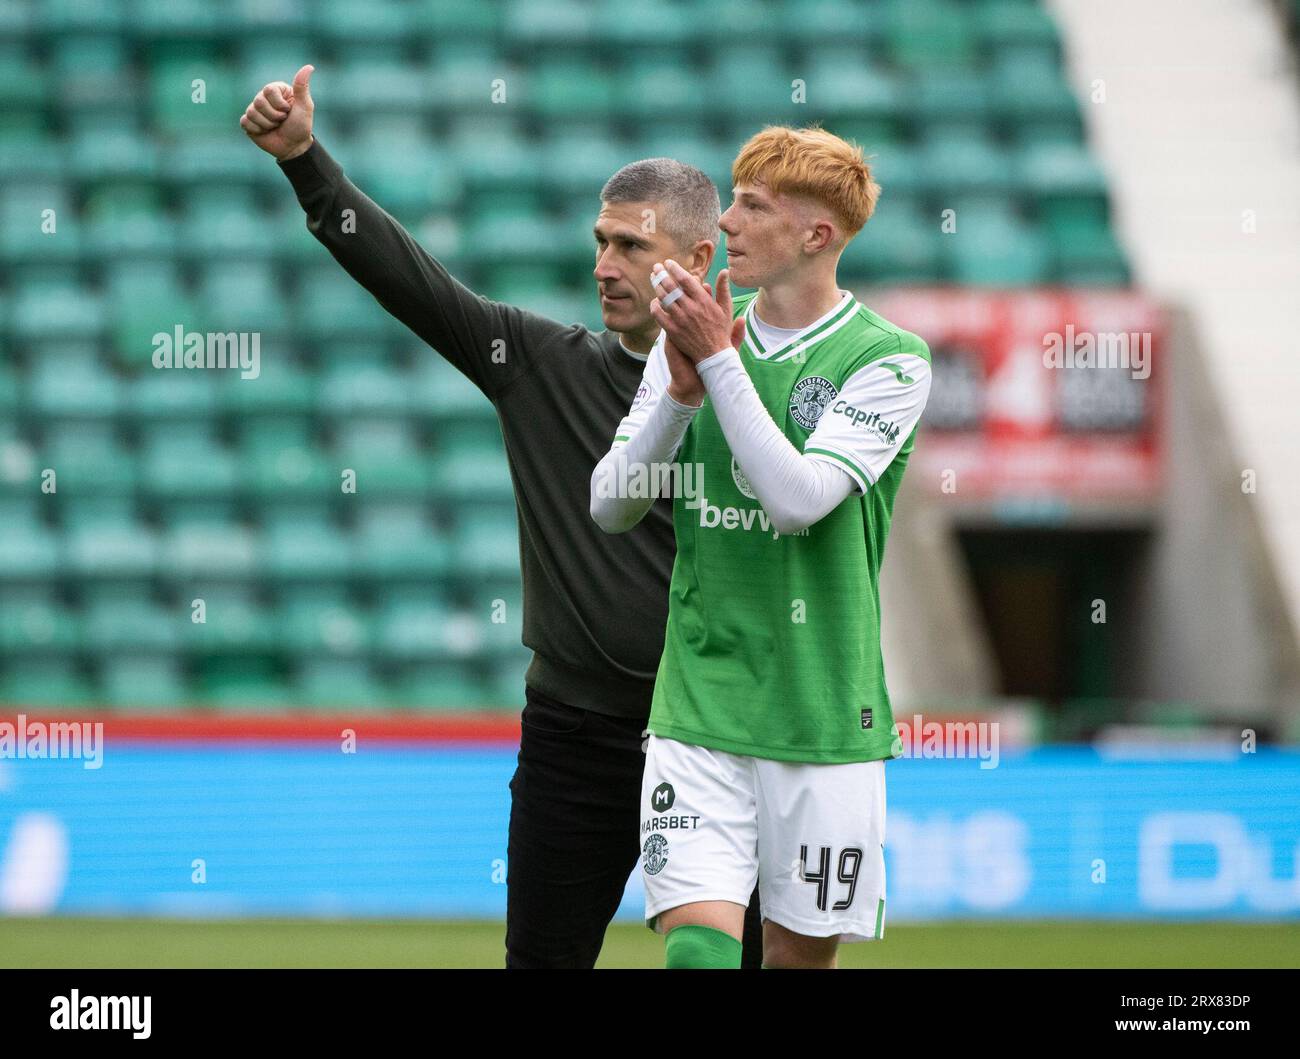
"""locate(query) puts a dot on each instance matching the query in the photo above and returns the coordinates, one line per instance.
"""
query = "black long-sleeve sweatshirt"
(595, 605)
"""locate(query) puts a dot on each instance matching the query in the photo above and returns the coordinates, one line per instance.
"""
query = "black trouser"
(574, 817)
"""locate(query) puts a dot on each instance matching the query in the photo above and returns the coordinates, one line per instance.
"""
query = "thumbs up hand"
(278, 119)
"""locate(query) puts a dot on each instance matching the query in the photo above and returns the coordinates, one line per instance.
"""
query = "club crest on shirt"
(655, 853)
(742, 483)
(809, 398)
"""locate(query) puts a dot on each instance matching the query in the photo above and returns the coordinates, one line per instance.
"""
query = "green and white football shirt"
(772, 647)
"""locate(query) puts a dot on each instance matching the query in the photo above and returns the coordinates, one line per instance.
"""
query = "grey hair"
(687, 199)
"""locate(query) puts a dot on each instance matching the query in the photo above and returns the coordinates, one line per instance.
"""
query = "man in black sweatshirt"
(595, 605)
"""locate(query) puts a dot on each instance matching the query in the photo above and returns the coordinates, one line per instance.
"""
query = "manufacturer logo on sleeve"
(809, 398)
(643, 394)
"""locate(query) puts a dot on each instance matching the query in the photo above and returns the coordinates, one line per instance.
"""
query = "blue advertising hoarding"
(216, 829)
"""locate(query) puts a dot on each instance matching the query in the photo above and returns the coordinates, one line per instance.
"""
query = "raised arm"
(490, 342)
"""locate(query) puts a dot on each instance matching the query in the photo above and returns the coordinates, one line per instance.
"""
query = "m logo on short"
(662, 798)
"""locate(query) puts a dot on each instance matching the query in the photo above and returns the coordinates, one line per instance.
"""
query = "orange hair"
(811, 162)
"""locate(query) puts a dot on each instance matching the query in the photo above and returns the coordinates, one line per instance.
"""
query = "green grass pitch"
(95, 942)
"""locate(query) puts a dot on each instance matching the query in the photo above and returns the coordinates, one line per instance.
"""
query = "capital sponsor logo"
(887, 429)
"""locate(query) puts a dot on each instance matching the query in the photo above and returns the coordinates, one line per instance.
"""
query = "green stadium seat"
(822, 23)
(89, 459)
(145, 298)
(338, 684)
(964, 164)
(577, 161)
(487, 542)
(1013, 23)
(396, 541)
(315, 620)
(471, 465)
(34, 620)
(126, 617)
(384, 85)
(363, 389)
(900, 244)
(24, 223)
(649, 88)
(282, 388)
(458, 26)
(841, 83)
(24, 82)
(182, 460)
(1030, 86)
(224, 223)
(209, 549)
(98, 154)
(79, 16)
(440, 687)
(620, 27)
(442, 393)
(385, 455)
(29, 549)
(994, 250)
(27, 150)
(145, 684)
(234, 620)
(243, 296)
(103, 539)
(128, 220)
(754, 83)
(492, 152)
(386, 22)
(930, 34)
(72, 385)
(953, 97)
(44, 682)
(567, 89)
(171, 394)
(332, 305)
(414, 622)
(198, 94)
(242, 683)
(93, 70)
(281, 459)
(302, 543)
(543, 23)
(406, 173)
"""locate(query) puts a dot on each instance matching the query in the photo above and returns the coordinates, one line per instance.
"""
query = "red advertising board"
(1038, 394)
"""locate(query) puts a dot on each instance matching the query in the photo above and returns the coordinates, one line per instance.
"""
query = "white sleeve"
(647, 438)
(871, 417)
(795, 491)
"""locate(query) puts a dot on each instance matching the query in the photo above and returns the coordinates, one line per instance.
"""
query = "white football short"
(812, 836)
